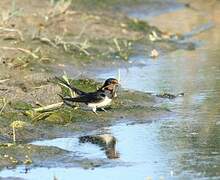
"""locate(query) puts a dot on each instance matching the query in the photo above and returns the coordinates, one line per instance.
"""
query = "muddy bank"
(67, 121)
(31, 156)
(131, 105)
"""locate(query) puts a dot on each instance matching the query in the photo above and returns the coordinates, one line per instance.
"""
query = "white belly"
(107, 101)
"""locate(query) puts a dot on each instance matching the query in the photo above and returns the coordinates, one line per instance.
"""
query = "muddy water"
(183, 145)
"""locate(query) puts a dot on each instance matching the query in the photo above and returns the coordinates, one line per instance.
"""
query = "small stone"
(124, 31)
(6, 156)
(154, 53)
(14, 161)
(27, 161)
(217, 123)
(123, 25)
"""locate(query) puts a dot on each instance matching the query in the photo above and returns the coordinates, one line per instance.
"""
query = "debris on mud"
(169, 96)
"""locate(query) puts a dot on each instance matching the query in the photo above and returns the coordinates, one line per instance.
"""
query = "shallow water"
(183, 145)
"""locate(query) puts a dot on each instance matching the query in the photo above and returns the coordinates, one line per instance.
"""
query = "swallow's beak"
(115, 82)
(115, 89)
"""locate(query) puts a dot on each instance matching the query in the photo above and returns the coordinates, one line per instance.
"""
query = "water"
(72, 144)
(153, 8)
(183, 145)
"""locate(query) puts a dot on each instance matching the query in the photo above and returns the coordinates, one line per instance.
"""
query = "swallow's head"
(111, 85)
(111, 81)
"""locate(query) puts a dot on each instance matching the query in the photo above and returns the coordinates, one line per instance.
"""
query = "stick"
(72, 93)
(119, 75)
(4, 104)
(13, 30)
(116, 44)
(45, 40)
(14, 135)
(22, 50)
(81, 49)
(3, 80)
(82, 31)
(49, 107)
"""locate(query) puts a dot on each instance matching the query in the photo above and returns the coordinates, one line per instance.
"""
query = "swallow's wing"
(79, 92)
(87, 98)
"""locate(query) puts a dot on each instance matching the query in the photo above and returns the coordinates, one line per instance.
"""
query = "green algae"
(142, 26)
(61, 117)
(20, 105)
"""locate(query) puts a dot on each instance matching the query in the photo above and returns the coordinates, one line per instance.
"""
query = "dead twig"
(22, 50)
(80, 46)
(81, 32)
(58, 41)
(3, 80)
(65, 78)
(117, 44)
(48, 107)
(41, 116)
(4, 105)
(13, 30)
(119, 75)
(72, 93)
(45, 40)
(14, 134)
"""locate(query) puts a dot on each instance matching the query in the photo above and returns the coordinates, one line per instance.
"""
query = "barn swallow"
(98, 99)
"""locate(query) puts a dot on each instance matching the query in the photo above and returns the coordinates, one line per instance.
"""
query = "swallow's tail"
(61, 96)
(79, 92)
(67, 100)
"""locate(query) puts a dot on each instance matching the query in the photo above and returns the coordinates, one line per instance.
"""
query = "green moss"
(11, 116)
(86, 85)
(60, 117)
(139, 25)
(20, 105)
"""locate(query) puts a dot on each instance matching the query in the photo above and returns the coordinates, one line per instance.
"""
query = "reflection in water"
(137, 160)
(106, 141)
